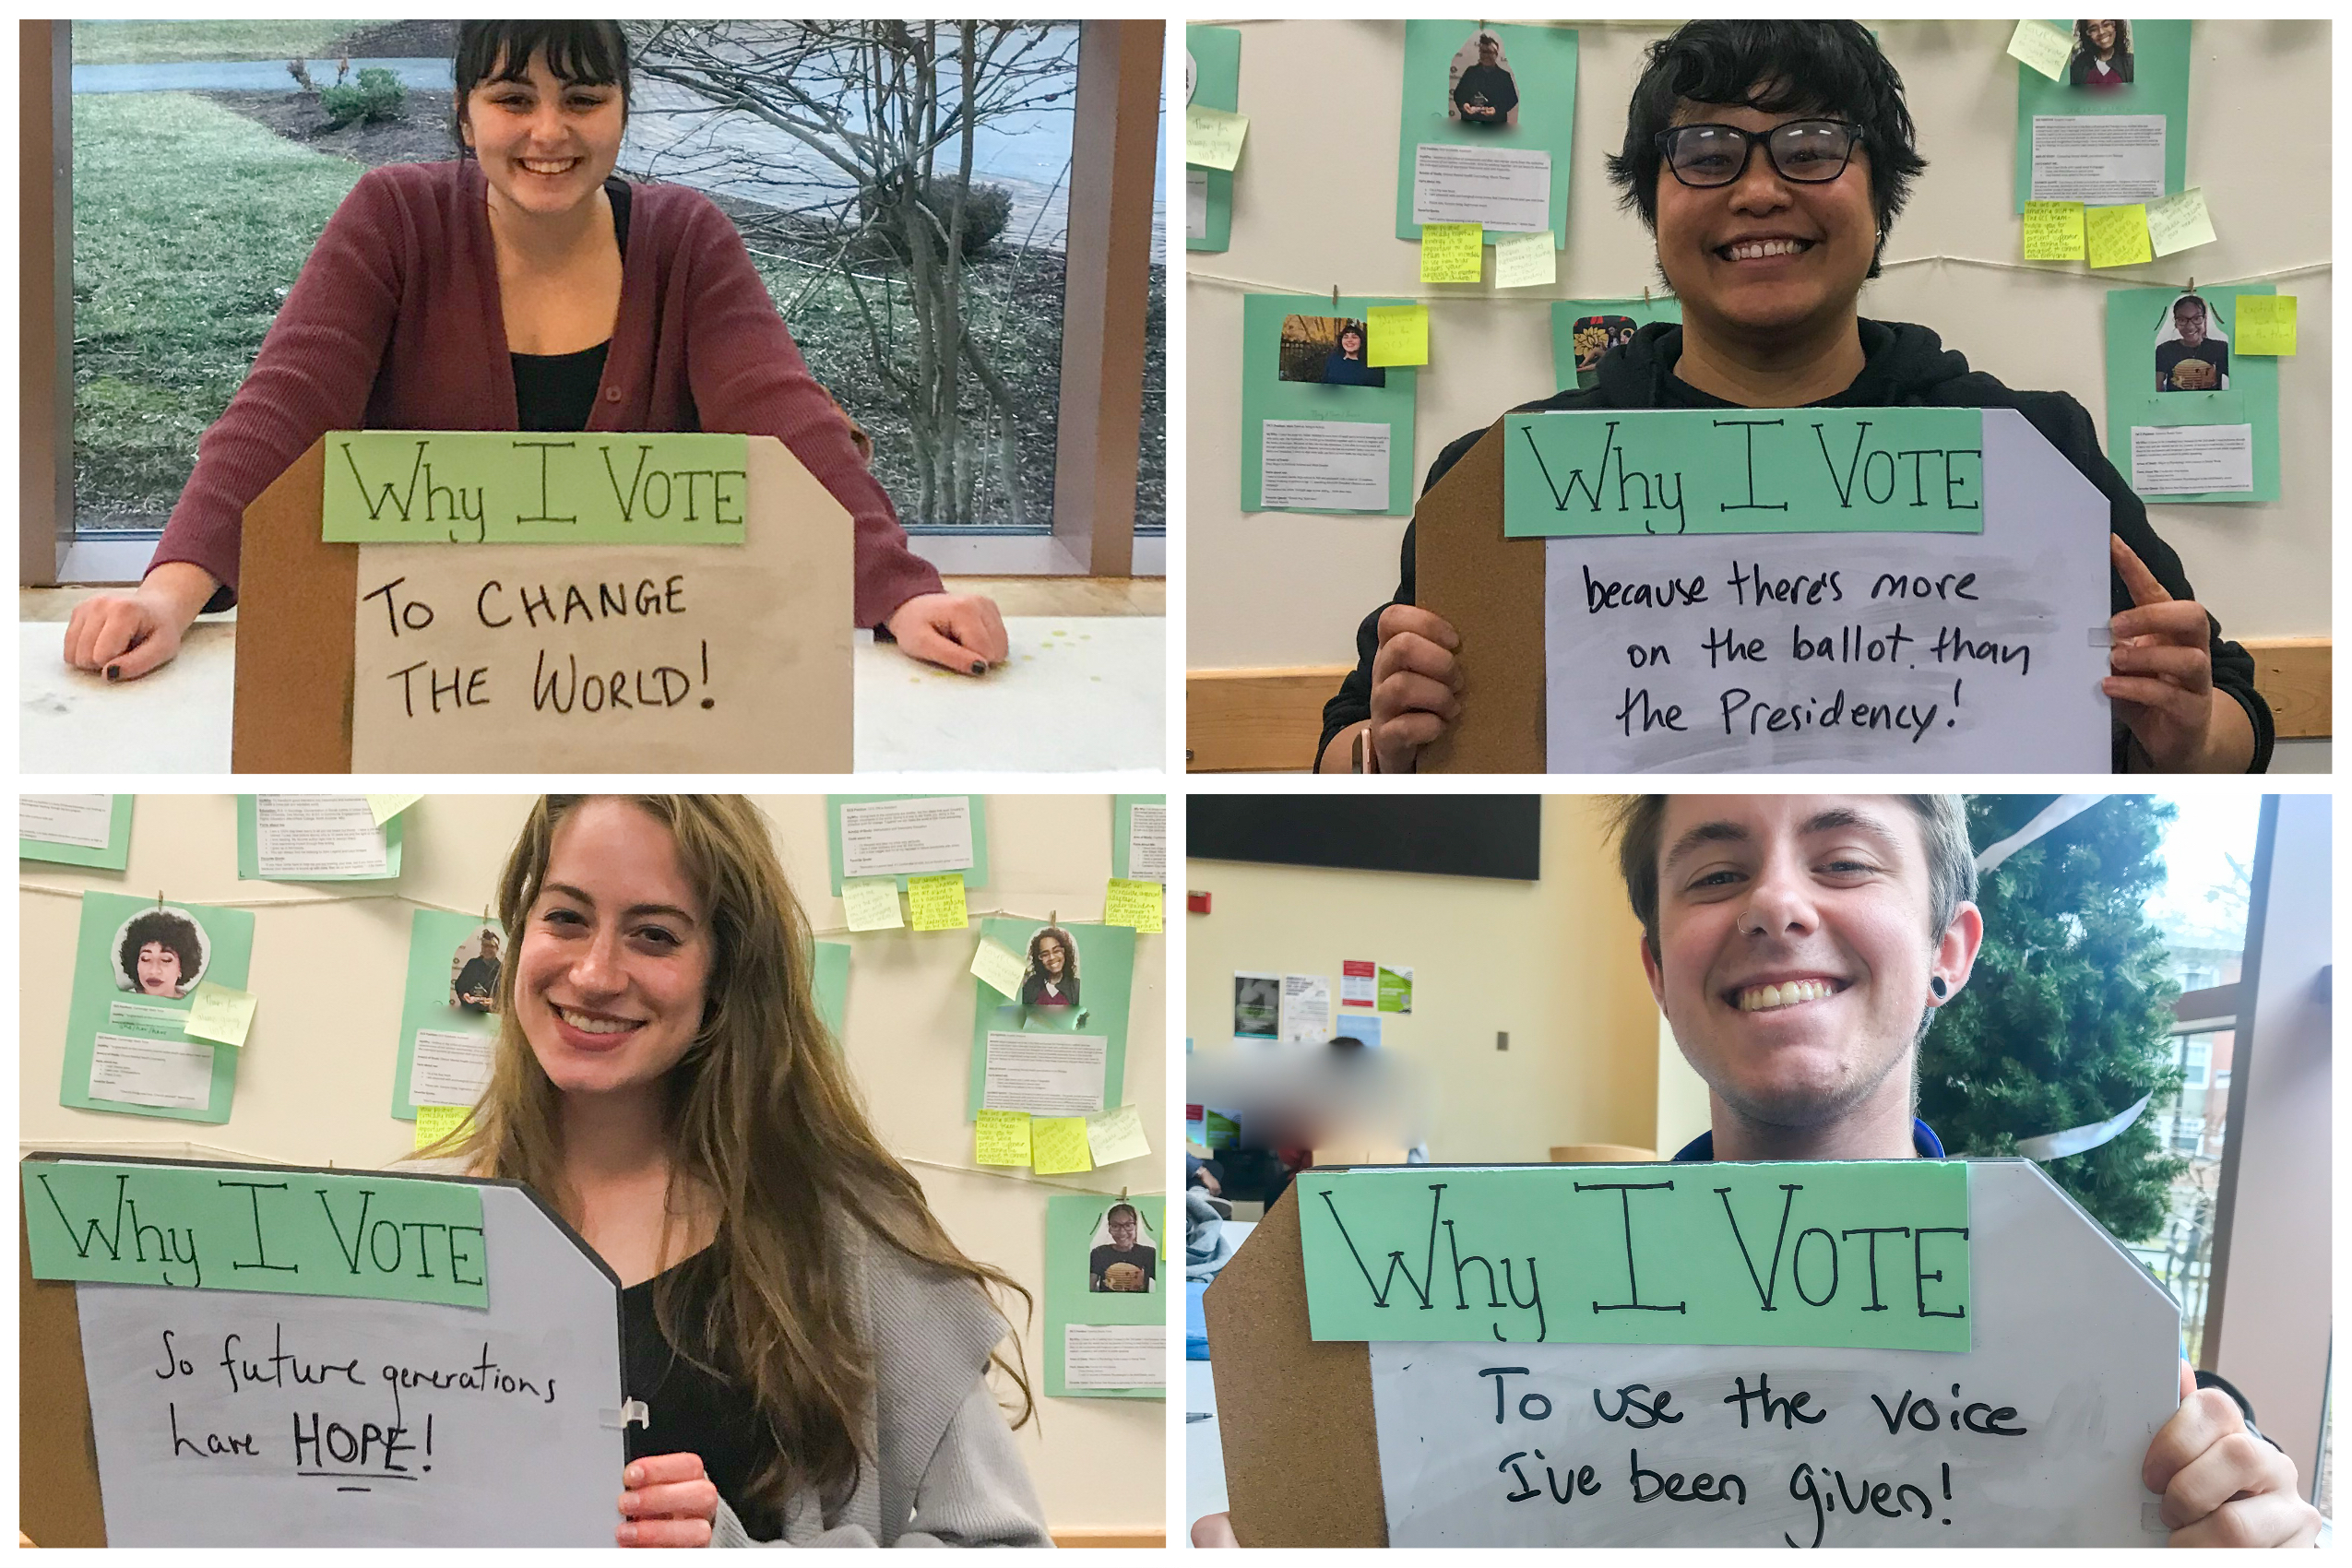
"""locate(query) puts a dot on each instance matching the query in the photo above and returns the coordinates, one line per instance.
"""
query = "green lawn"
(189, 225)
(121, 44)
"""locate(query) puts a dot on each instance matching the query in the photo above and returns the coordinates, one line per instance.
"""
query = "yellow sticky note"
(1213, 136)
(1451, 253)
(436, 1122)
(219, 1013)
(2053, 231)
(1118, 1135)
(1522, 261)
(938, 901)
(2045, 46)
(2179, 221)
(999, 968)
(2117, 236)
(2265, 324)
(1132, 904)
(1001, 1137)
(384, 808)
(871, 903)
(1058, 1146)
(1399, 334)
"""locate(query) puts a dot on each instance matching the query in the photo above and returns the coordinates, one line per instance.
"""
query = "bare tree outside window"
(868, 164)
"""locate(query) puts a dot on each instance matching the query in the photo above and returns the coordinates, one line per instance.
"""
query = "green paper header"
(1744, 471)
(533, 487)
(254, 1227)
(1856, 1255)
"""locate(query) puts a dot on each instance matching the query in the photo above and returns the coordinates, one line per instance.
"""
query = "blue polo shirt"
(1923, 1141)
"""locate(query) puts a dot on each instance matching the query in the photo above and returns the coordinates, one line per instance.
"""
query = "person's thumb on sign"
(2162, 677)
(2222, 1484)
(959, 630)
(669, 1501)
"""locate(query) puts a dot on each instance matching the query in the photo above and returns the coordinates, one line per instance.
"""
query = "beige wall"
(1554, 963)
(315, 1085)
(1315, 207)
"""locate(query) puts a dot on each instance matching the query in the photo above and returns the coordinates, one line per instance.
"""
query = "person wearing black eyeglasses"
(1770, 160)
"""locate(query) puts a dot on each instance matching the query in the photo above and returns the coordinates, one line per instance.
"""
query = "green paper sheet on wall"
(448, 1022)
(1213, 65)
(1106, 1292)
(907, 834)
(1307, 446)
(833, 986)
(1485, 140)
(1044, 1043)
(81, 830)
(2145, 154)
(136, 965)
(2226, 431)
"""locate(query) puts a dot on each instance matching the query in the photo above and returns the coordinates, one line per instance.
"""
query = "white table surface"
(1079, 694)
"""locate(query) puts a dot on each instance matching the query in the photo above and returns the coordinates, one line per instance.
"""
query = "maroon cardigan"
(394, 323)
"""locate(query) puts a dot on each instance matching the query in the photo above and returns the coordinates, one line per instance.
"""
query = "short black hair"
(1832, 69)
(2197, 300)
(580, 54)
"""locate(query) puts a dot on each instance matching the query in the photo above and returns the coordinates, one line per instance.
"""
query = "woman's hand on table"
(128, 634)
(669, 1501)
(956, 630)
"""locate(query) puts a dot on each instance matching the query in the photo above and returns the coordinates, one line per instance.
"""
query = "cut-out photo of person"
(1122, 1256)
(473, 971)
(1596, 335)
(2192, 351)
(160, 952)
(1050, 978)
(1484, 91)
(1329, 351)
(2102, 56)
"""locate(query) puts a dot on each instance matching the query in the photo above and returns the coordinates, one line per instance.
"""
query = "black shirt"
(1491, 86)
(2212, 351)
(558, 391)
(690, 1410)
(1102, 1257)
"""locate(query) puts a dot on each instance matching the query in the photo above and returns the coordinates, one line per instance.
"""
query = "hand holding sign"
(2163, 679)
(670, 1501)
(956, 630)
(1416, 684)
(2222, 1486)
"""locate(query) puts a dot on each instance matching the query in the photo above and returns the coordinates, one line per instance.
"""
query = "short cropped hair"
(580, 54)
(1829, 68)
(1943, 826)
(1115, 1210)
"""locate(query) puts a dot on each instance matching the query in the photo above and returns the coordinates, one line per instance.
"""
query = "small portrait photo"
(1596, 335)
(1330, 351)
(473, 971)
(1481, 90)
(1122, 1256)
(160, 952)
(1049, 972)
(2102, 56)
(2192, 348)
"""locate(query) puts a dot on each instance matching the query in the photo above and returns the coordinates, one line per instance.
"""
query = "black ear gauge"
(1938, 986)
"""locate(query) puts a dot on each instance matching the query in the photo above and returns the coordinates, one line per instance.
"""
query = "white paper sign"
(84, 822)
(1843, 652)
(231, 1419)
(449, 1068)
(1196, 204)
(2103, 159)
(174, 1073)
(906, 837)
(1503, 188)
(1044, 1073)
(1333, 465)
(2190, 460)
(297, 836)
(1147, 843)
(2075, 1365)
(1306, 1008)
(1114, 1355)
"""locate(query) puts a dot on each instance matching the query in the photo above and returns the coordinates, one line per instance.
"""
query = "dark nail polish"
(980, 667)
(114, 672)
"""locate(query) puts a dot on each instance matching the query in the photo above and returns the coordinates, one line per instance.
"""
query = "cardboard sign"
(2031, 1434)
(494, 656)
(533, 487)
(234, 1419)
(1744, 471)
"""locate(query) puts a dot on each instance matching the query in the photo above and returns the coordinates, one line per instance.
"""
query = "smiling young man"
(1770, 160)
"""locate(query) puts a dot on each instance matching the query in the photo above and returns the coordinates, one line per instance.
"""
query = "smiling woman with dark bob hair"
(523, 286)
(1770, 160)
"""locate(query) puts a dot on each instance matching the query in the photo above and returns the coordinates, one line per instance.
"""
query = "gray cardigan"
(945, 1469)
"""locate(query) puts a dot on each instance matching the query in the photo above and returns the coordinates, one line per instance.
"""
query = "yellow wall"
(1553, 962)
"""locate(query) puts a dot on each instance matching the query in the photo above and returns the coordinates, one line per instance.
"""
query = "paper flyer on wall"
(137, 963)
(1323, 429)
(448, 1010)
(315, 838)
(2114, 128)
(2188, 419)
(1057, 1047)
(75, 830)
(1213, 80)
(1107, 1290)
(905, 836)
(1486, 127)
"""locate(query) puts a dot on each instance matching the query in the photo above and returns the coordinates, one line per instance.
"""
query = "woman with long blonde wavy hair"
(813, 1348)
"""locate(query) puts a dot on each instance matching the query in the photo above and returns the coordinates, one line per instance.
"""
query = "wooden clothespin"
(1645, 294)
(1335, 299)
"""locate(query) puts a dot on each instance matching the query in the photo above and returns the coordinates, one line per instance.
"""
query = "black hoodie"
(1905, 367)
